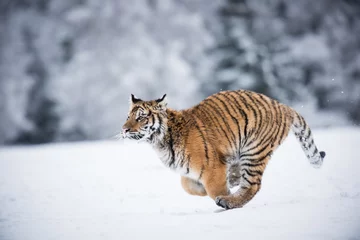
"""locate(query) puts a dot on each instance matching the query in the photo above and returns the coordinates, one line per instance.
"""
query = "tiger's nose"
(125, 130)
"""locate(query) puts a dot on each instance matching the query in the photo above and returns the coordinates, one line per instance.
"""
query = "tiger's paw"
(223, 202)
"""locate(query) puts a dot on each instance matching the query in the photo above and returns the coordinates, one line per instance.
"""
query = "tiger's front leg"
(212, 172)
(193, 187)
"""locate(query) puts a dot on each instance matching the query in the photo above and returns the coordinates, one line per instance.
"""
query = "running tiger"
(224, 141)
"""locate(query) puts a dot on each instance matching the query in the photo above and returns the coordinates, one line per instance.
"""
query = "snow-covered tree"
(67, 67)
(88, 56)
(298, 54)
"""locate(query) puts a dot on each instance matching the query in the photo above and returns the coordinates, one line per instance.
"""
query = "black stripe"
(309, 133)
(268, 115)
(241, 95)
(172, 152)
(251, 164)
(204, 142)
(315, 151)
(228, 111)
(134, 110)
(283, 127)
(231, 103)
(273, 127)
(256, 103)
(299, 120)
(278, 114)
(262, 107)
(251, 183)
(201, 172)
(187, 157)
(268, 154)
(302, 124)
(188, 161)
(257, 172)
(242, 104)
(248, 106)
(160, 125)
(232, 117)
(243, 114)
(221, 114)
(153, 122)
(210, 113)
(252, 173)
(252, 108)
(264, 141)
(255, 153)
(311, 143)
(182, 162)
(209, 118)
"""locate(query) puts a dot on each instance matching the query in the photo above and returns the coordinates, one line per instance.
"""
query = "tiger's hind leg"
(215, 182)
(250, 183)
(239, 198)
(193, 187)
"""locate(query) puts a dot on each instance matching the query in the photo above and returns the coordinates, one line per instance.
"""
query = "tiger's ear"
(133, 99)
(162, 102)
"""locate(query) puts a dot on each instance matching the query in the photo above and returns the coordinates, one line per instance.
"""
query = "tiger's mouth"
(134, 136)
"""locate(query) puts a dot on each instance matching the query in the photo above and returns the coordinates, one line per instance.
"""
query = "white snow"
(116, 190)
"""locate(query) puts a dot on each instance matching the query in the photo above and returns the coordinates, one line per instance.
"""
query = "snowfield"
(121, 190)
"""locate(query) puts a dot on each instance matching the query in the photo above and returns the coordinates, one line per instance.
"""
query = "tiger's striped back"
(248, 124)
(252, 124)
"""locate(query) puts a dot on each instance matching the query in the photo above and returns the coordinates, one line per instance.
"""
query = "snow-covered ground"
(116, 190)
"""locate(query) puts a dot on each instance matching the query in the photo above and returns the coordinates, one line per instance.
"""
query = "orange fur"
(231, 134)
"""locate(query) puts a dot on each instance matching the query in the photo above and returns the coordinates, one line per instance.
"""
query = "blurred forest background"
(67, 67)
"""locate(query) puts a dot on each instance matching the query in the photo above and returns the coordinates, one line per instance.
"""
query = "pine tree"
(240, 61)
(40, 107)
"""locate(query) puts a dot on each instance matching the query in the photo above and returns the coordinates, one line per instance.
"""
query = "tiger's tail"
(303, 134)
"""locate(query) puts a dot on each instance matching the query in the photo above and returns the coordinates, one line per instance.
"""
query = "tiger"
(224, 141)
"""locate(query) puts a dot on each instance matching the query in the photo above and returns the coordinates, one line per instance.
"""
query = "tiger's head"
(146, 119)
